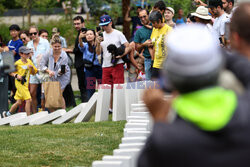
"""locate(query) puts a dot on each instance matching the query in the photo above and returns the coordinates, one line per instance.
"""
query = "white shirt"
(117, 38)
(219, 24)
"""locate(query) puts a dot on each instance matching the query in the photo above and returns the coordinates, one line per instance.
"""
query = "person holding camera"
(55, 63)
(92, 67)
(24, 67)
(111, 74)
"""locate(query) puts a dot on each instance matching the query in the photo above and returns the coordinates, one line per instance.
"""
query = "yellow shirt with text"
(23, 70)
(158, 38)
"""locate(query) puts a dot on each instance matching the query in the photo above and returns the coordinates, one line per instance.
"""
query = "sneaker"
(110, 111)
(6, 114)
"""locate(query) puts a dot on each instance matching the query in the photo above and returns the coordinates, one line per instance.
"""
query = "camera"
(84, 29)
(116, 52)
(23, 80)
(98, 29)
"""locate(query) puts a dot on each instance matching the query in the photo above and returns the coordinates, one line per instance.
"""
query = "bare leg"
(33, 92)
(27, 107)
(42, 98)
(15, 105)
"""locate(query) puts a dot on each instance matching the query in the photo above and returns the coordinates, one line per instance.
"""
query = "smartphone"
(62, 69)
(84, 29)
(101, 34)
(98, 29)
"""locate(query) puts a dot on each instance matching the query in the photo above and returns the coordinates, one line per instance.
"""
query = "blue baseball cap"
(104, 20)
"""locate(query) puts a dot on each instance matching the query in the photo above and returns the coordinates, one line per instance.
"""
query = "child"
(25, 67)
(141, 74)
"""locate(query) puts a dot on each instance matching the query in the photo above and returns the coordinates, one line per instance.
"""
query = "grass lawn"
(59, 145)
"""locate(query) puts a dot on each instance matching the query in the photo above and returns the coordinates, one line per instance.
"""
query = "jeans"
(91, 76)
(147, 66)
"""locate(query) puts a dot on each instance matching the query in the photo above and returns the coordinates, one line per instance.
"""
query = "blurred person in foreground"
(211, 123)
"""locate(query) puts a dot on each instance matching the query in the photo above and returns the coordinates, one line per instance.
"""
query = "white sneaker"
(6, 114)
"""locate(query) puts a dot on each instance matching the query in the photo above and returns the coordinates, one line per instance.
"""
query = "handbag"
(53, 94)
(89, 64)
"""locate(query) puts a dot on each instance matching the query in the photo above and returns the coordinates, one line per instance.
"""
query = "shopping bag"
(53, 94)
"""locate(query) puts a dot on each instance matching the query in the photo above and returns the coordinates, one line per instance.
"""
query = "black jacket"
(182, 144)
(78, 53)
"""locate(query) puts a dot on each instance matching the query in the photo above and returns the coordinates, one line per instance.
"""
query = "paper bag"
(53, 94)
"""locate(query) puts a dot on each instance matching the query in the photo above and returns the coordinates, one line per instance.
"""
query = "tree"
(126, 25)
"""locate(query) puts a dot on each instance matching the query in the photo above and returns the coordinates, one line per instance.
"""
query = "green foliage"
(59, 145)
(4, 32)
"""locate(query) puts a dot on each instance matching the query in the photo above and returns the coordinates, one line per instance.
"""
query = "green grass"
(58, 145)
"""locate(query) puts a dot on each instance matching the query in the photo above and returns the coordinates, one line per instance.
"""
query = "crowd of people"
(186, 56)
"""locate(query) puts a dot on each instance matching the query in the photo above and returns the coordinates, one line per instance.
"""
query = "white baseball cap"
(170, 9)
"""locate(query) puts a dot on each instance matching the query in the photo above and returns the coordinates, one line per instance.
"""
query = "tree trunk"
(126, 25)
(29, 11)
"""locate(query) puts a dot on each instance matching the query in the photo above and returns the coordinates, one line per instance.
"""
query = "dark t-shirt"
(141, 36)
(15, 45)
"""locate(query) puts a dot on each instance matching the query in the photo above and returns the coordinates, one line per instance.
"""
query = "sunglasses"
(34, 33)
(142, 17)
(23, 39)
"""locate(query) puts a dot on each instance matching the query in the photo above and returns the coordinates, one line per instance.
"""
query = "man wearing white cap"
(212, 125)
(169, 14)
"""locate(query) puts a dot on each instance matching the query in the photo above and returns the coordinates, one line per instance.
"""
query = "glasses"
(142, 17)
(23, 39)
(34, 33)
(77, 23)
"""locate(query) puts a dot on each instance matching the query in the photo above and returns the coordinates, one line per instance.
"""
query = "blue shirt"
(87, 55)
(141, 36)
(180, 21)
(42, 48)
(15, 45)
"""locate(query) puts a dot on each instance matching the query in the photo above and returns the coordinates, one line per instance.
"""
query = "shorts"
(113, 75)
(22, 94)
(34, 79)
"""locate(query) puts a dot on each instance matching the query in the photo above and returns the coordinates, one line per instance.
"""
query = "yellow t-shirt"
(158, 38)
(23, 70)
